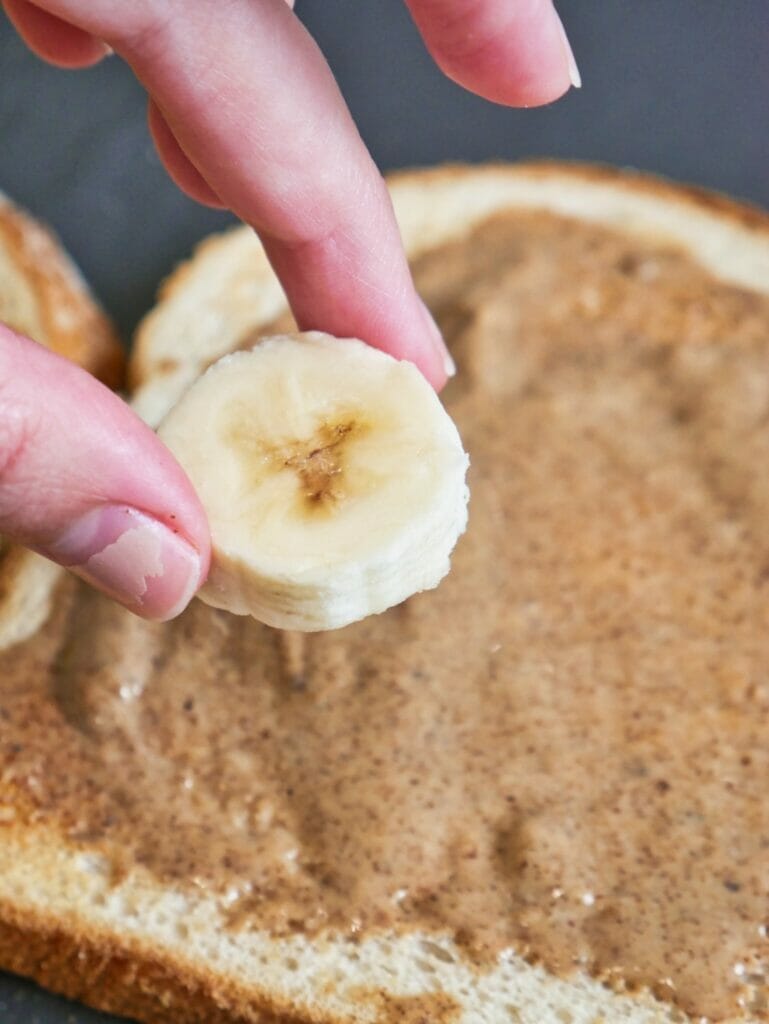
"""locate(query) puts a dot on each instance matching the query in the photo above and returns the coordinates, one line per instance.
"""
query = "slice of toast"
(43, 296)
(142, 788)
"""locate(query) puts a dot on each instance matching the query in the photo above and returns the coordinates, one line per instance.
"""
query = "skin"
(245, 114)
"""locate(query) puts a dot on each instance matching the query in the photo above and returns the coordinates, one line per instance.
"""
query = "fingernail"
(449, 366)
(133, 558)
(574, 76)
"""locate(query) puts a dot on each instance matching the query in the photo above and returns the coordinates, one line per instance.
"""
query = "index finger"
(254, 106)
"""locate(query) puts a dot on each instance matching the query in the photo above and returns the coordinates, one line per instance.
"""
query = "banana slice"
(333, 479)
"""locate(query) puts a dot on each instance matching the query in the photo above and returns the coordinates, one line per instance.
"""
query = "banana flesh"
(332, 476)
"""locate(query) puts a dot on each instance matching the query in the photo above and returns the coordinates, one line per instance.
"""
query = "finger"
(182, 171)
(514, 52)
(86, 483)
(254, 106)
(53, 39)
(278, 145)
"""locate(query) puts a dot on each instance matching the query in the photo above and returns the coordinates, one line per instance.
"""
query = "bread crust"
(119, 981)
(73, 325)
(742, 212)
(124, 979)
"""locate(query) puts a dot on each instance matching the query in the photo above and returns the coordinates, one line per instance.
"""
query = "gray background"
(678, 87)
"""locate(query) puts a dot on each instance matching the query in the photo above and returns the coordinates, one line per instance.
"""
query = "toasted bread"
(128, 750)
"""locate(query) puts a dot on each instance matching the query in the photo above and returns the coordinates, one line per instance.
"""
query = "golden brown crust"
(135, 984)
(696, 198)
(73, 324)
(108, 979)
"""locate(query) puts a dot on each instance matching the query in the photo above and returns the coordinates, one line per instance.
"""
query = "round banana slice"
(333, 479)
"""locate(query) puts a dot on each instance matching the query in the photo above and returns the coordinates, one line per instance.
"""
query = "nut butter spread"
(565, 748)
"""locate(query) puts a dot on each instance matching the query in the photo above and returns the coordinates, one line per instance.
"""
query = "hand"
(245, 114)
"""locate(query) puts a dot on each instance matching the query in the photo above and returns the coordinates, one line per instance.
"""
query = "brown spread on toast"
(565, 748)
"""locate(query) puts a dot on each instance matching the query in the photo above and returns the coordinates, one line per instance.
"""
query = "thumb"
(86, 483)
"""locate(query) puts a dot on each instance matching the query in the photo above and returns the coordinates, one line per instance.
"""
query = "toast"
(43, 296)
(536, 795)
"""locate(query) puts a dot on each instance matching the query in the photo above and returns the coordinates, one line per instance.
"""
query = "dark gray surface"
(680, 88)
